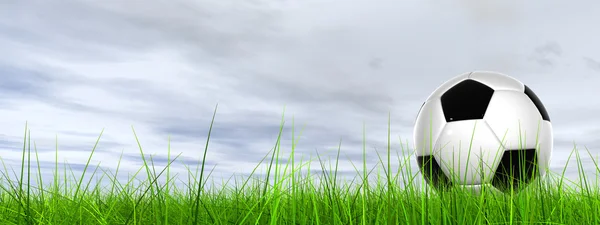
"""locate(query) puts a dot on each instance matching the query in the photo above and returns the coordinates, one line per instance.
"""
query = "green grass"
(288, 194)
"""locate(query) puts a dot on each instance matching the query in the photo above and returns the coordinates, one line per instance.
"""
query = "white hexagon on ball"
(483, 128)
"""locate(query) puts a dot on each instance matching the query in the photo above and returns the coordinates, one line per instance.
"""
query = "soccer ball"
(483, 128)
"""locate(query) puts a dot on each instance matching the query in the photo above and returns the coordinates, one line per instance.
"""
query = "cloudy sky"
(71, 68)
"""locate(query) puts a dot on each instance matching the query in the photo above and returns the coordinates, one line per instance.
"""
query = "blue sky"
(72, 68)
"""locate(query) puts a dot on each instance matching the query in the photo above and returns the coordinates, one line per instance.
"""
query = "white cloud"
(75, 67)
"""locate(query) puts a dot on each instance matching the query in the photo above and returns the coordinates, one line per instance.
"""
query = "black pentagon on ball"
(516, 170)
(538, 103)
(466, 100)
(433, 173)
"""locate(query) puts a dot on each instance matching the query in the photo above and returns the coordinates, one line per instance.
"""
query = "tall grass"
(288, 194)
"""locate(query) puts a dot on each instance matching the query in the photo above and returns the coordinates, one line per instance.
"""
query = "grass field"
(288, 194)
